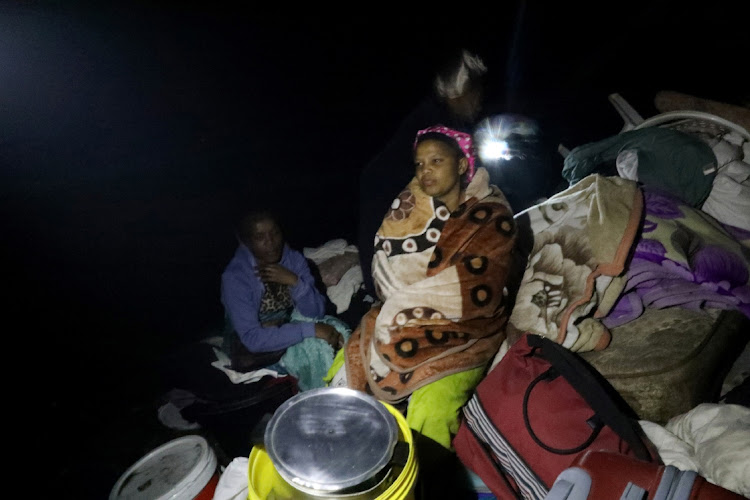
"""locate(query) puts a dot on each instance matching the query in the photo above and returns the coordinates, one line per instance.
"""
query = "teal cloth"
(668, 159)
(310, 360)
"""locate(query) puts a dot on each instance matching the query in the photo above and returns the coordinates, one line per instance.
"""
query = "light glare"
(502, 137)
(495, 150)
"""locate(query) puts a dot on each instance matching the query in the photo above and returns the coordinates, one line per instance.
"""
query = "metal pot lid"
(330, 439)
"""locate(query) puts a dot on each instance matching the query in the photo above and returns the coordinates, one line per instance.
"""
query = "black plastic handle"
(551, 375)
(591, 389)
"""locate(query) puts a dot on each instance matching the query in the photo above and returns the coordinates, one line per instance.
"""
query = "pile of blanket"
(597, 254)
(574, 244)
(685, 258)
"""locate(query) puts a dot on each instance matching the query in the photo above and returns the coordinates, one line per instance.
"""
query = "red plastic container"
(185, 467)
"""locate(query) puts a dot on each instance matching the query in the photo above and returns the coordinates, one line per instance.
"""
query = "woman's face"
(438, 169)
(266, 242)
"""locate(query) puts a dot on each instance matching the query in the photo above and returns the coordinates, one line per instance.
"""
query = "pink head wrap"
(462, 139)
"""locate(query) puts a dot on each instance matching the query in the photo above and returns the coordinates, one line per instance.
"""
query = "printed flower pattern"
(549, 279)
(402, 206)
(650, 250)
(685, 260)
(712, 264)
(661, 206)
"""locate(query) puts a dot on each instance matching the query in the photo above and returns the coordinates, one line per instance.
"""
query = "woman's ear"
(463, 165)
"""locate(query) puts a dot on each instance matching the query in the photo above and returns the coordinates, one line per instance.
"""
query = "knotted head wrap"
(464, 141)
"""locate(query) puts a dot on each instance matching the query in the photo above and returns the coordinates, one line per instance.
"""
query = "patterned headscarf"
(463, 140)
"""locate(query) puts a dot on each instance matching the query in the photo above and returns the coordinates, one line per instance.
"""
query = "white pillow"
(627, 164)
(729, 200)
(726, 152)
(734, 137)
(738, 170)
(720, 437)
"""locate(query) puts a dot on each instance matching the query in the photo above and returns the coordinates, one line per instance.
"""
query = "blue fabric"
(310, 360)
(242, 291)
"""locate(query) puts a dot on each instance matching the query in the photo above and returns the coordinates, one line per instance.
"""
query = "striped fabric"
(513, 465)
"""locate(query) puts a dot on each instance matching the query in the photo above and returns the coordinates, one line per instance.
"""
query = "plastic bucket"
(265, 482)
(182, 469)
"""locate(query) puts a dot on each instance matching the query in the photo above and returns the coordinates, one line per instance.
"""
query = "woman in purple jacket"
(262, 285)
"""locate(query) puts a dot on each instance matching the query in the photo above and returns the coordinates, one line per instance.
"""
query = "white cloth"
(627, 164)
(233, 481)
(672, 450)
(735, 138)
(329, 249)
(729, 200)
(712, 439)
(170, 413)
(341, 293)
(223, 363)
(726, 151)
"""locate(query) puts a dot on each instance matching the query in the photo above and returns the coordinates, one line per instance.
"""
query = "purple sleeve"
(241, 297)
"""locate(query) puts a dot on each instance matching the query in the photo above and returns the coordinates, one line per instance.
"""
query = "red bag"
(603, 475)
(538, 409)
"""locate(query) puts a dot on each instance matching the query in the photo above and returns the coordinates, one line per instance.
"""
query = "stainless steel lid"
(330, 439)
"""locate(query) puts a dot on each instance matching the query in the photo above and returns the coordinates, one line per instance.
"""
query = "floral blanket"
(440, 277)
(685, 258)
(577, 242)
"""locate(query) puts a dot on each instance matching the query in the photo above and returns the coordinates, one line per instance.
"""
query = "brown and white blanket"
(441, 278)
(577, 241)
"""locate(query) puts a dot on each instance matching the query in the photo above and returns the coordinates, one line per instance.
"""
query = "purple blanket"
(683, 258)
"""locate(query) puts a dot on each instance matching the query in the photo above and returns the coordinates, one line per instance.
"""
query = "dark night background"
(131, 132)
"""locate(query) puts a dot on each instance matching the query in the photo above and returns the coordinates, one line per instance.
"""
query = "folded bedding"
(712, 439)
(684, 258)
(574, 244)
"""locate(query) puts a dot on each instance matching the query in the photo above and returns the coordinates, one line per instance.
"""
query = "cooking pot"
(335, 443)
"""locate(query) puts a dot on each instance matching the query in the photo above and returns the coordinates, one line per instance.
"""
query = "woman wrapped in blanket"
(442, 258)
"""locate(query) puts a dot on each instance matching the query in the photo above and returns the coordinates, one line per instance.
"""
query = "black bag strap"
(592, 389)
(596, 423)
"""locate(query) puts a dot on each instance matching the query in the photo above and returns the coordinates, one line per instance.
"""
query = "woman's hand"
(275, 273)
(328, 333)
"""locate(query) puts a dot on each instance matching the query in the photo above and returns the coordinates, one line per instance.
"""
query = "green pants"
(434, 410)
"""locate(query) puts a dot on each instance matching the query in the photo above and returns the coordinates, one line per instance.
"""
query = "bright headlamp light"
(504, 137)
